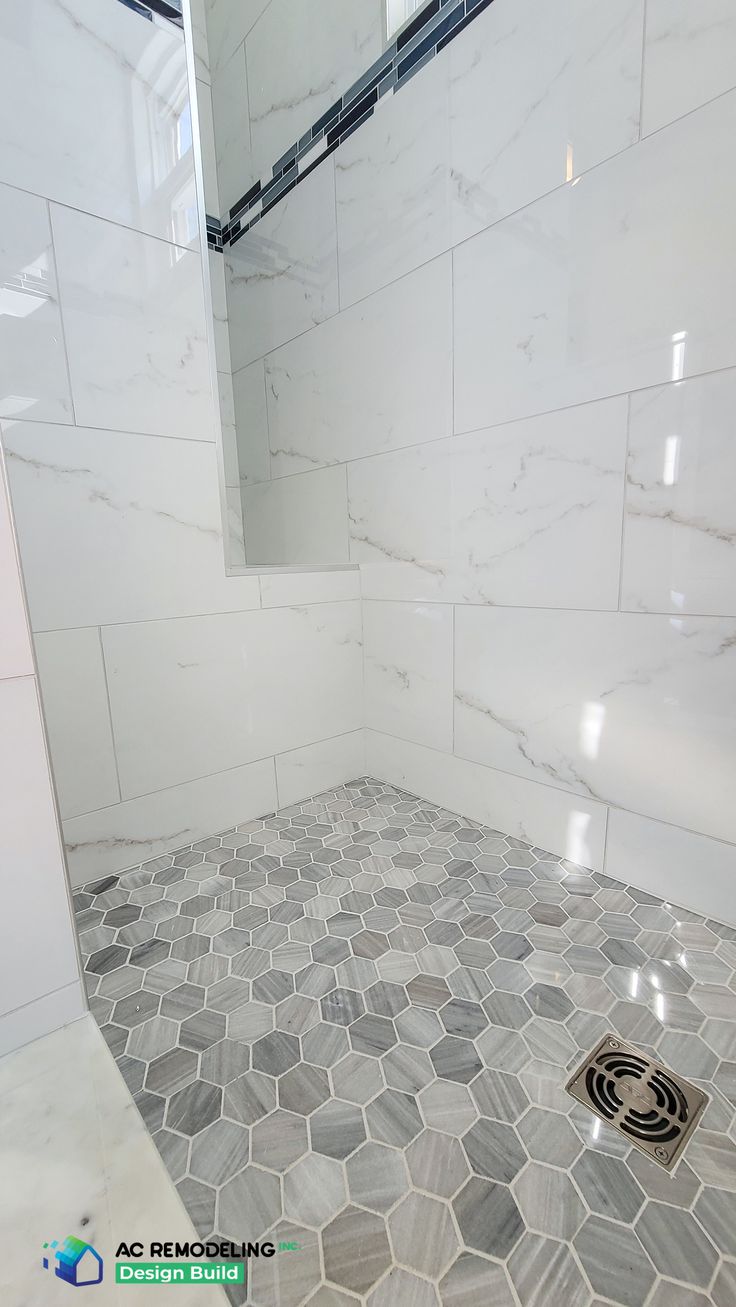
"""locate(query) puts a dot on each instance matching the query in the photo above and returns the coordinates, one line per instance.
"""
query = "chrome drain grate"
(656, 1109)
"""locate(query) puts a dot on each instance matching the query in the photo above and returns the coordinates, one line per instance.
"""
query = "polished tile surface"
(350, 1024)
(78, 1160)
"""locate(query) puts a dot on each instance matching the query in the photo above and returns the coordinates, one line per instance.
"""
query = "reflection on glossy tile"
(541, 322)
(463, 162)
(142, 364)
(282, 276)
(139, 170)
(33, 377)
(680, 536)
(689, 57)
(190, 685)
(394, 1174)
(139, 516)
(369, 379)
(609, 679)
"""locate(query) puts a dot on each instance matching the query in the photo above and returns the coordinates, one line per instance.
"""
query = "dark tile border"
(170, 9)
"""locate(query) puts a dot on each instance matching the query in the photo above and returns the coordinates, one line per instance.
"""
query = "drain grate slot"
(656, 1109)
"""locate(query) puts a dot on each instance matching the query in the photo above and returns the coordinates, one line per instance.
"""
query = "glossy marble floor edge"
(77, 1159)
(350, 1023)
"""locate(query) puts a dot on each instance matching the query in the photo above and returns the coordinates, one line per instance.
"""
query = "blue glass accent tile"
(138, 9)
(423, 17)
(285, 161)
(326, 118)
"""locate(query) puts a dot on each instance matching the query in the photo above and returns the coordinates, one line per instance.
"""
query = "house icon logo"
(73, 1260)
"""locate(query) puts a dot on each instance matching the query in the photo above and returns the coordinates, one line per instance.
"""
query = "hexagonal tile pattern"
(366, 1007)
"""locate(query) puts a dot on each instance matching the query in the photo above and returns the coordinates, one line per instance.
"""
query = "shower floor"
(349, 1026)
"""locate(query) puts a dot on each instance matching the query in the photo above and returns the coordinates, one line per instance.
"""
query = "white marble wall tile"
(680, 533)
(300, 59)
(199, 695)
(575, 297)
(16, 656)
(408, 671)
(524, 514)
(321, 766)
(82, 1151)
(394, 189)
(77, 716)
(251, 423)
(227, 423)
(207, 143)
(114, 838)
(400, 508)
(219, 310)
(235, 172)
(566, 825)
(235, 530)
(299, 520)
(70, 67)
(31, 855)
(42, 1016)
(634, 710)
(447, 157)
(376, 377)
(538, 506)
(690, 57)
(677, 865)
(284, 589)
(228, 24)
(282, 276)
(198, 12)
(135, 329)
(33, 375)
(136, 525)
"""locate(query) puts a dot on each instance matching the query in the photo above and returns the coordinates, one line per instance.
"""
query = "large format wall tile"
(408, 671)
(114, 838)
(564, 824)
(297, 521)
(376, 377)
(524, 514)
(31, 856)
(400, 508)
(135, 329)
(690, 57)
(232, 130)
(33, 375)
(228, 23)
(301, 773)
(634, 710)
(199, 695)
(537, 509)
(575, 297)
(68, 68)
(77, 715)
(680, 534)
(300, 59)
(483, 131)
(135, 521)
(251, 423)
(665, 860)
(282, 276)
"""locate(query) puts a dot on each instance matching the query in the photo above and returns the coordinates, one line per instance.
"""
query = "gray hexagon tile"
(350, 1024)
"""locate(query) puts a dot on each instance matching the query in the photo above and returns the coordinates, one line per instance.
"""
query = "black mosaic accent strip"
(214, 233)
(170, 9)
(431, 29)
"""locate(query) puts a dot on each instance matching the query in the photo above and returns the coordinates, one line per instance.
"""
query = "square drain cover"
(656, 1109)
